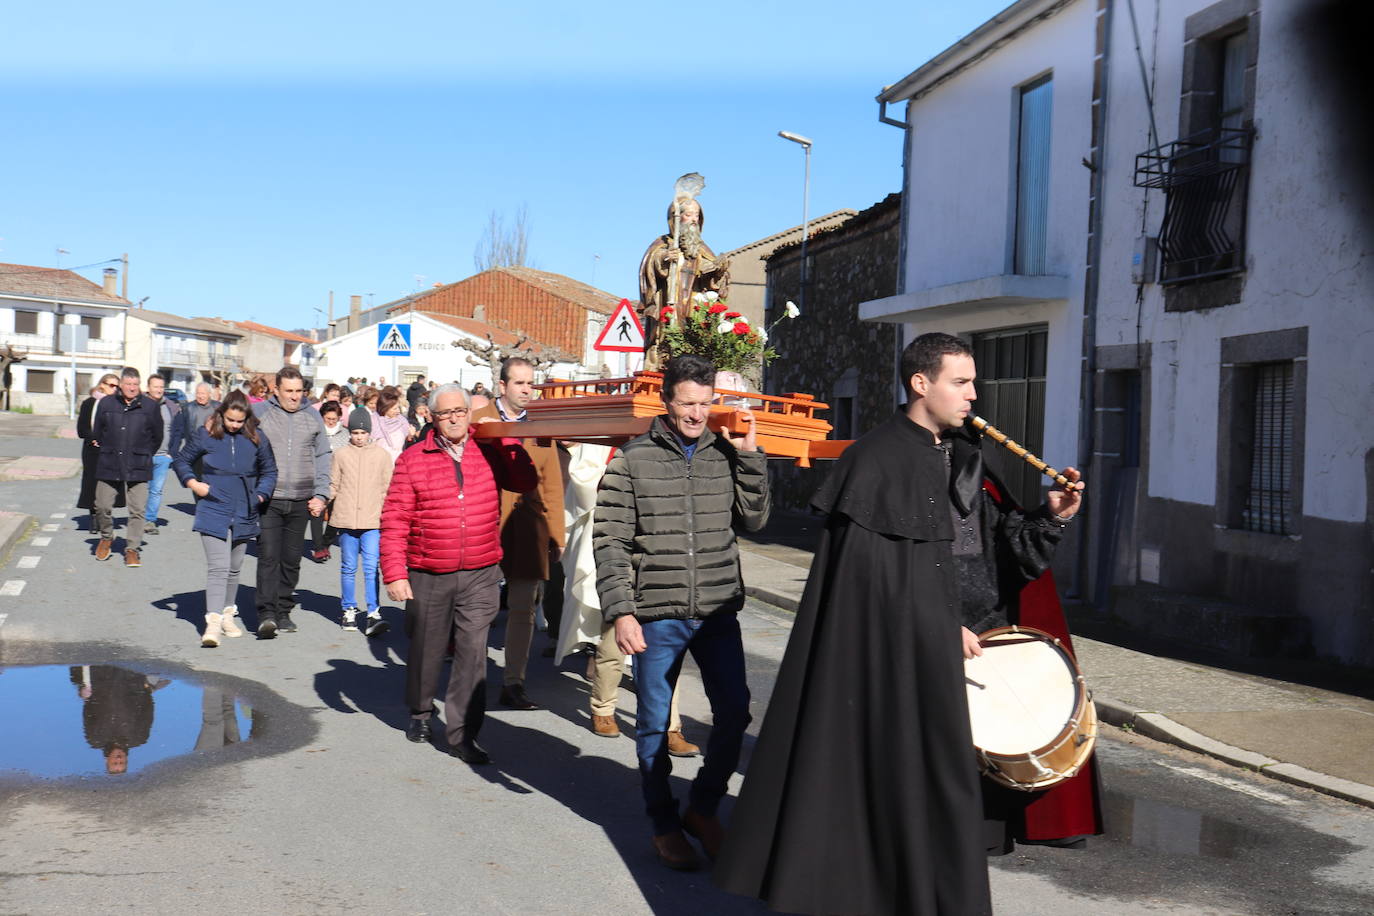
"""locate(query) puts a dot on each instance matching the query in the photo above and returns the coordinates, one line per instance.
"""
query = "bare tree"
(501, 246)
(492, 355)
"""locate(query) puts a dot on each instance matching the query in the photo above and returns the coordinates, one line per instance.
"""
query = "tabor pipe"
(1019, 450)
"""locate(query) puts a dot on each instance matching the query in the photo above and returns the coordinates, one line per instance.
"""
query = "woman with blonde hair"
(90, 450)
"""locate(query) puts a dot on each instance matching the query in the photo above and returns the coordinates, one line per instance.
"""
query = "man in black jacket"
(668, 578)
(128, 431)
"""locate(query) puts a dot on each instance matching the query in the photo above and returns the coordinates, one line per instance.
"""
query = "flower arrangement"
(708, 327)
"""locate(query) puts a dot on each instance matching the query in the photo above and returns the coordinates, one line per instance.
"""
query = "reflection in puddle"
(1148, 824)
(97, 720)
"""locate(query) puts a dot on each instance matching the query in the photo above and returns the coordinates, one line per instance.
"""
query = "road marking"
(58, 515)
(41, 542)
(52, 527)
(1234, 785)
(12, 587)
(28, 562)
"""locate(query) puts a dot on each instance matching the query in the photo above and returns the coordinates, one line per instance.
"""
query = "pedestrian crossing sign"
(393, 339)
(623, 333)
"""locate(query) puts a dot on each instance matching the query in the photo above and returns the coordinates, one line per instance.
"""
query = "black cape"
(862, 795)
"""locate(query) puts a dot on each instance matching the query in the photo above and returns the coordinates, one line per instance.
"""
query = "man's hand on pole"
(750, 440)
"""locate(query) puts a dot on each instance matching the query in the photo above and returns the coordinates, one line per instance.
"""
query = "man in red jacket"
(441, 543)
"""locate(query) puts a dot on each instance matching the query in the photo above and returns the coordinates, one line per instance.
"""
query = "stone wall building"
(749, 264)
(827, 351)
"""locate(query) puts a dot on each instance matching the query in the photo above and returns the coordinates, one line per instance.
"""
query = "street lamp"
(805, 143)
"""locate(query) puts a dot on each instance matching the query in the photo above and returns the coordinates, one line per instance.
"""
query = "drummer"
(861, 796)
(999, 550)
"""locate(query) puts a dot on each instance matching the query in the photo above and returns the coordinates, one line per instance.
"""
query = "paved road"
(326, 809)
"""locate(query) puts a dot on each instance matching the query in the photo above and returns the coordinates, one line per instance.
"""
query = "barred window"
(39, 381)
(1269, 497)
(1011, 396)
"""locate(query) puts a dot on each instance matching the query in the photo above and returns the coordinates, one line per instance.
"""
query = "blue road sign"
(393, 339)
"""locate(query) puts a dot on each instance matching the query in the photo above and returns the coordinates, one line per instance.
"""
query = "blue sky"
(252, 159)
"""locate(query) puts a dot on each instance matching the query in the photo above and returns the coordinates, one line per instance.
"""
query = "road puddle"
(1146, 823)
(106, 722)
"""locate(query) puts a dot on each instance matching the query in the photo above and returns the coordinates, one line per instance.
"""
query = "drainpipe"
(904, 222)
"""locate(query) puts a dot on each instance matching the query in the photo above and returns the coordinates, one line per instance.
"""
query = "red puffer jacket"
(435, 521)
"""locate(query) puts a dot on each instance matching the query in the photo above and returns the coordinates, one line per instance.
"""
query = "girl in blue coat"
(237, 477)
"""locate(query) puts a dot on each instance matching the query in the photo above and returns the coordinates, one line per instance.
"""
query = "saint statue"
(677, 265)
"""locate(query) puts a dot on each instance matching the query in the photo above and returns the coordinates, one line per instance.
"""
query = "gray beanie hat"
(360, 418)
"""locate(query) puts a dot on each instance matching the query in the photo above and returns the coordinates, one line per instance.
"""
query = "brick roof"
(887, 205)
(565, 288)
(253, 326)
(204, 325)
(499, 336)
(52, 283)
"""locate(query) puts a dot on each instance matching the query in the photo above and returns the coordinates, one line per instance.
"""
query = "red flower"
(741, 327)
(716, 308)
(667, 310)
(732, 314)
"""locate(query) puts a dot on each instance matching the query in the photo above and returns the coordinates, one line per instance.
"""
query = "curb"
(13, 527)
(1162, 728)
(777, 599)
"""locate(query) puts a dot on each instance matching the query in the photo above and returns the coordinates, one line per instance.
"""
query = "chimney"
(111, 277)
(479, 313)
(355, 312)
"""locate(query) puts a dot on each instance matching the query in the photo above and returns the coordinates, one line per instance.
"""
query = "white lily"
(698, 298)
(712, 296)
(791, 310)
(725, 327)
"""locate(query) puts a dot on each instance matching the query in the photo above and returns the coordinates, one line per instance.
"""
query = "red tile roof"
(52, 283)
(499, 336)
(275, 332)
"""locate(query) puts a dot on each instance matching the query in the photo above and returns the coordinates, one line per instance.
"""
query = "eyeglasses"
(455, 413)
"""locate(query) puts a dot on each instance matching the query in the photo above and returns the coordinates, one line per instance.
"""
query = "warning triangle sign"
(623, 333)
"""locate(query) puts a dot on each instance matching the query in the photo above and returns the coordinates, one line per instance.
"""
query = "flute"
(1019, 450)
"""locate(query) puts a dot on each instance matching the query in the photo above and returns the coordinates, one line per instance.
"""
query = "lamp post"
(805, 144)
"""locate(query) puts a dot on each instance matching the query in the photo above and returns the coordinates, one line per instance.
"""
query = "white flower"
(763, 335)
(725, 327)
(791, 310)
(712, 296)
(698, 298)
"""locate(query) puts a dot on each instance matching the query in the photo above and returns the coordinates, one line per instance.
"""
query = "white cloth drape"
(581, 604)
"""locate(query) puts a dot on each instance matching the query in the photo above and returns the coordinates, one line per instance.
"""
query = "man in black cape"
(863, 793)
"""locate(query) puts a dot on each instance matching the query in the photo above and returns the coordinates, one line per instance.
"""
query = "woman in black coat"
(90, 452)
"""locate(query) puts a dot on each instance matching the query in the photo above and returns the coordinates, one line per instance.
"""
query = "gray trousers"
(222, 564)
(463, 603)
(136, 496)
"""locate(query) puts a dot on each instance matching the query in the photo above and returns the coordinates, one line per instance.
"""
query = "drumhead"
(1022, 692)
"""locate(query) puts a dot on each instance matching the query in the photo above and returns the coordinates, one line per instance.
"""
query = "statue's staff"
(686, 187)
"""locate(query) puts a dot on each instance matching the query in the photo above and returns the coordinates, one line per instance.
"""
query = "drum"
(1034, 723)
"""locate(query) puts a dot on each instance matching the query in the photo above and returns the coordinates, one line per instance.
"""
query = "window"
(1011, 396)
(92, 324)
(25, 322)
(1033, 177)
(39, 381)
(1269, 495)
(84, 383)
(844, 398)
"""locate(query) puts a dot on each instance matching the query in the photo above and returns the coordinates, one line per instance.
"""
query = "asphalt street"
(325, 808)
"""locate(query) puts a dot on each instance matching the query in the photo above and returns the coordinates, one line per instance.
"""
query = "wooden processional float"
(612, 411)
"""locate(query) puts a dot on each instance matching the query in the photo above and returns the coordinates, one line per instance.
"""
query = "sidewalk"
(1303, 735)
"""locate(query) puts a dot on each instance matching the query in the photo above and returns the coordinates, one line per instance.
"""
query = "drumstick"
(1020, 451)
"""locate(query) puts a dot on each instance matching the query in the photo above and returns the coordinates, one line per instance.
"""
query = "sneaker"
(150, 528)
(131, 558)
(376, 626)
(350, 618)
(267, 625)
(102, 550)
(284, 622)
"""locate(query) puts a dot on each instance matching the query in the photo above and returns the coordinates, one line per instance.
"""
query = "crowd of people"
(862, 795)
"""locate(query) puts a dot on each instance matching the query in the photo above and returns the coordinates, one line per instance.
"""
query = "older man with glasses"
(441, 546)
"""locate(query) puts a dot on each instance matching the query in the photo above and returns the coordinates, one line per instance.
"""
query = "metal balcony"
(1205, 178)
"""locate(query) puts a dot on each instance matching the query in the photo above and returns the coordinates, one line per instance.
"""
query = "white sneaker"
(226, 621)
(350, 618)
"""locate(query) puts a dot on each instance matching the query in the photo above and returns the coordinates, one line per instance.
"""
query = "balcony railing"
(174, 357)
(1205, 180)
(41, 345)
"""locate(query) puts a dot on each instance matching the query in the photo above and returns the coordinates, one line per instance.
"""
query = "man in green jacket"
(668, 577)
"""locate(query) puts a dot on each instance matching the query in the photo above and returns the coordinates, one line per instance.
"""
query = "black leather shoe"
(418, 730)
(514, 697)
(284, 623)
(267, 625)
(470, 753)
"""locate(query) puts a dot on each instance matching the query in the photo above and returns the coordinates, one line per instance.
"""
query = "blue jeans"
(349, 541)
(160, 465)
(716, 645)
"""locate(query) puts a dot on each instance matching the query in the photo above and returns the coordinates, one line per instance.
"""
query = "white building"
(34, 302)
(1199, 289)
(185, 351)
(433, 353)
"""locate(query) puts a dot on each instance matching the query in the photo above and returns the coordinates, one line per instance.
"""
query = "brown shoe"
(514, 697)
(675, 852)
(679, 746)
(102, 550)
(606, 726)
(131, 558)
(707, 830)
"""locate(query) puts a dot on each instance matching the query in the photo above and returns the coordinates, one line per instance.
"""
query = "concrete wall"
(1305, 268)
